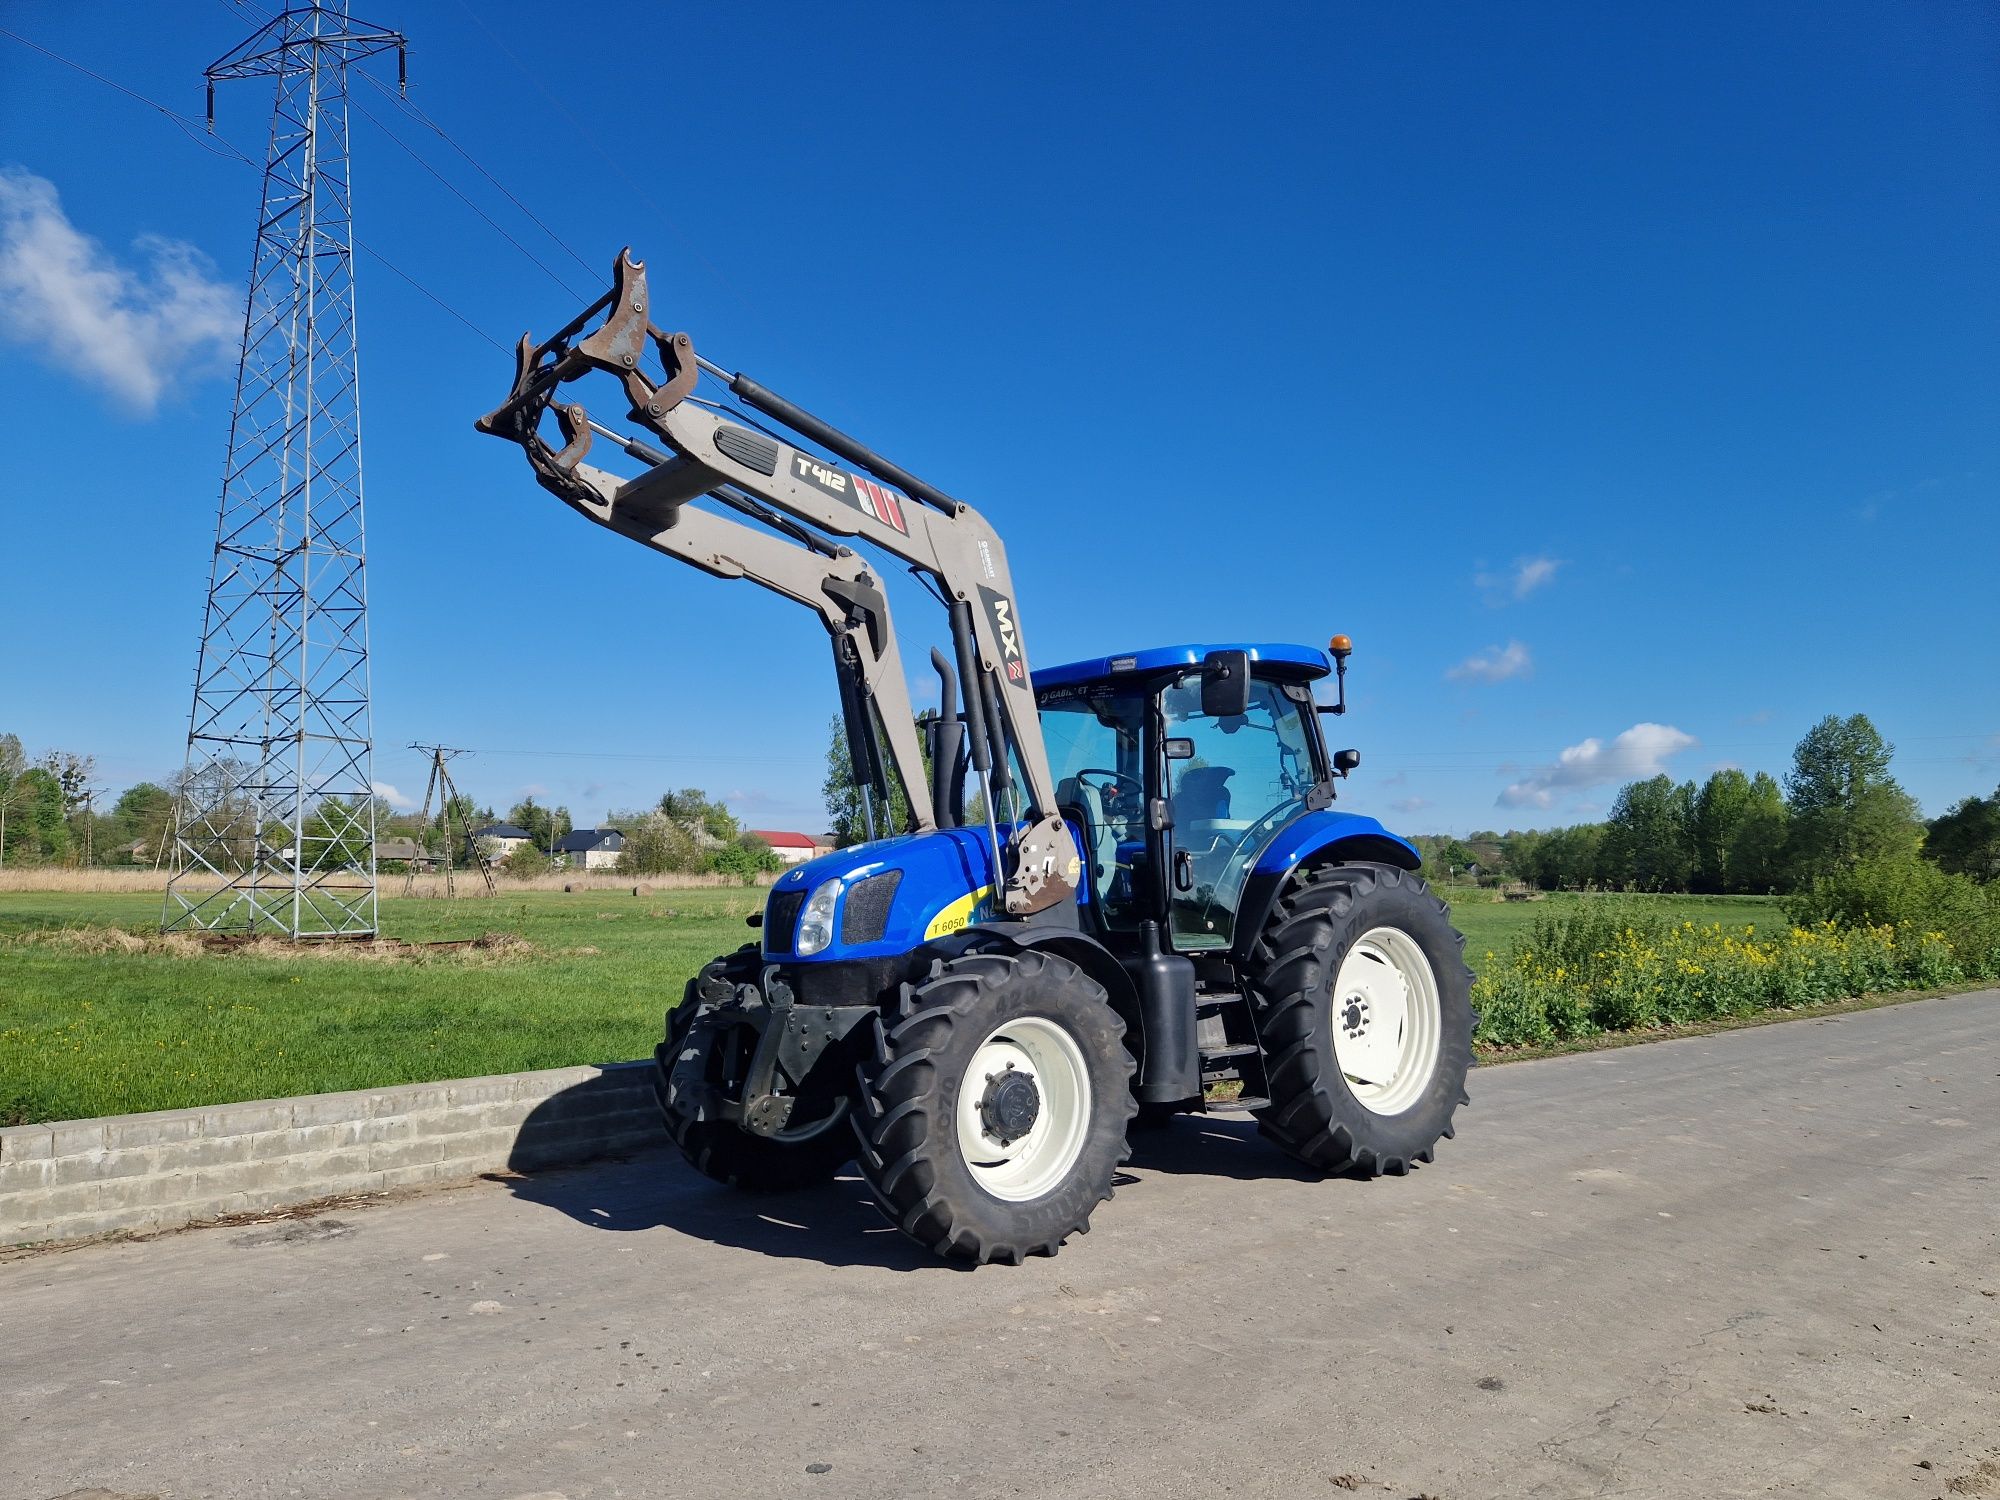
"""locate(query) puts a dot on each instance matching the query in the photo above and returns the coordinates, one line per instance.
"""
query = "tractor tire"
(1364, 1008)
(993, 1042)
(716, 1148)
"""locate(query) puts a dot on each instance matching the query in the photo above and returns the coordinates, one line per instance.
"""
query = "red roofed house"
(792, 848)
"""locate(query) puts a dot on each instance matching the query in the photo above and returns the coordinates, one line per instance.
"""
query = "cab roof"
(1304, 661)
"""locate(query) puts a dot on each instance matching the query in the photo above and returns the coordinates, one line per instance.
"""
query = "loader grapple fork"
(618, 347)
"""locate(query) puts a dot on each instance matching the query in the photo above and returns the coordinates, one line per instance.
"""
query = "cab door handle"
(1183, 870)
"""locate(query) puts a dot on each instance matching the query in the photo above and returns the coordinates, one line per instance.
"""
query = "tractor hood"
(889, 896)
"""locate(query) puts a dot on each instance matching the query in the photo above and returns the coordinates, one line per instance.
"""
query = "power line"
(389, 265)
(460, 194)
(223, 147)
(590, 138)
(412, 109)
(186, 124)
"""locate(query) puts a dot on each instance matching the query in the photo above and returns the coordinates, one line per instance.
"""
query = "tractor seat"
(1073, 791)
(1200, 795)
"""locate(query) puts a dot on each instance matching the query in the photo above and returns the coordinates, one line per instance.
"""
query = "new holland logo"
(1000, 612)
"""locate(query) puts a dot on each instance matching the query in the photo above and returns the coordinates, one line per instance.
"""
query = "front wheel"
(1364, 1007)
(704, 1051)
(994, 1105)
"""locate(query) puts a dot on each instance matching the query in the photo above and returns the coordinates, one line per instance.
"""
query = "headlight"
(816, 921)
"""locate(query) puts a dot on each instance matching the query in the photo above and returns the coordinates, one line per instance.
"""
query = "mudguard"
(1324, 837)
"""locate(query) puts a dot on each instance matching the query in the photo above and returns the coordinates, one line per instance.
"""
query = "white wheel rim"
(1032, 1164)
(1387, 1020)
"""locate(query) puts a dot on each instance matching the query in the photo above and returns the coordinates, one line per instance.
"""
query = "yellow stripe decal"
(963, 912)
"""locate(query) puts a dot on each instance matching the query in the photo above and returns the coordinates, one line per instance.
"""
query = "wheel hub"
(1023, 1110)
(1011, 1104)
(1354, 1019)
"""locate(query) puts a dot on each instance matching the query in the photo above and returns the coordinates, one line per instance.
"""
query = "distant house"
(792, 848)
(407, 851)
(499, 839)
(592, 848)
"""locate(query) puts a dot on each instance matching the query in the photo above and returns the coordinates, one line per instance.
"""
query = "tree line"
(53, 812)
(686, 832)
(1839, 808)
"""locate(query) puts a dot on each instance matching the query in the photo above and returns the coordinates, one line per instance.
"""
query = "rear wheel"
(1365, 1012)
(994, 1105)
(704, 1047)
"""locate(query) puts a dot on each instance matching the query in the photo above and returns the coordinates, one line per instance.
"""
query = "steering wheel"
(1119, 783)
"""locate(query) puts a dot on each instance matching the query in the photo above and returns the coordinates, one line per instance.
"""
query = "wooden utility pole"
(440, 783)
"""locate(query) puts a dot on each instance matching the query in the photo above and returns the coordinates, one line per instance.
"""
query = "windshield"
(1248, 778)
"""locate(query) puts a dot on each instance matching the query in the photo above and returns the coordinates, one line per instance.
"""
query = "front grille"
(864, 916)
(781, 920)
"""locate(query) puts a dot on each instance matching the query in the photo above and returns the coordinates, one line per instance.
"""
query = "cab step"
(1230, 1052)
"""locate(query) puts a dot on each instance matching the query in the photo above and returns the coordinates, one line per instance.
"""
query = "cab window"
(1096, 743)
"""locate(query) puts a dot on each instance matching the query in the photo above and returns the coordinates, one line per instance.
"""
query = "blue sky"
(1622, 379)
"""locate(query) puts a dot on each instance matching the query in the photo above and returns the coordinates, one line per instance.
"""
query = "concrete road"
(1756, 1263)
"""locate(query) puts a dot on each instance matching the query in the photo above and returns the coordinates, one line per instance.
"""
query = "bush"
(1611, 967)
(1911, 894)
(526, 862)
(656, 844)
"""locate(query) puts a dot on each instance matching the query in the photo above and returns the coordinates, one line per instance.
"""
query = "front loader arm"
(711, 455)
(836, 584)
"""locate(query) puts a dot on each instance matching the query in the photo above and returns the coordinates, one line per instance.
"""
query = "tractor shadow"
(837, 1225)
(1214, 1145)
(653, 1188)
(639, 1181)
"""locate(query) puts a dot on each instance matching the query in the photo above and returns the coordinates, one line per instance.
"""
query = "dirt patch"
(1984, 1480)
(294, 1232)
(487, 948)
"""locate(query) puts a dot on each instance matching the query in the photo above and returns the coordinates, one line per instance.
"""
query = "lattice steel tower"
(276, 814)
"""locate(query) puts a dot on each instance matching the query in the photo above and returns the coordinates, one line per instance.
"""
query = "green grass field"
(1491, 926)
(89, 1033)
(85, 1034)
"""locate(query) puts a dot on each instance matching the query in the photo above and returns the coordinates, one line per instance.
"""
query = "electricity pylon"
(275, 812)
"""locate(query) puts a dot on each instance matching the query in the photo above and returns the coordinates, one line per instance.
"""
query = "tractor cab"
(1174, 804)
(1183, 768)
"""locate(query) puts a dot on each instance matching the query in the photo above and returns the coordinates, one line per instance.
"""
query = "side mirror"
(1345, 761)
(1180, 749)
(1225, 684)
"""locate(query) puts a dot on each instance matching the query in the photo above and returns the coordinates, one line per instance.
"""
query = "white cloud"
(1494, 664)
(1519, 581)
(391, 796)
(1411, 804)
(1640, 752)
(131, 332)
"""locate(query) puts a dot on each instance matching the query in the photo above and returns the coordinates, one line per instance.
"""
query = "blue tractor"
(1089, 896)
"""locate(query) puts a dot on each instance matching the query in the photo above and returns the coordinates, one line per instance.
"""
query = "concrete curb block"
(74, 1178)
